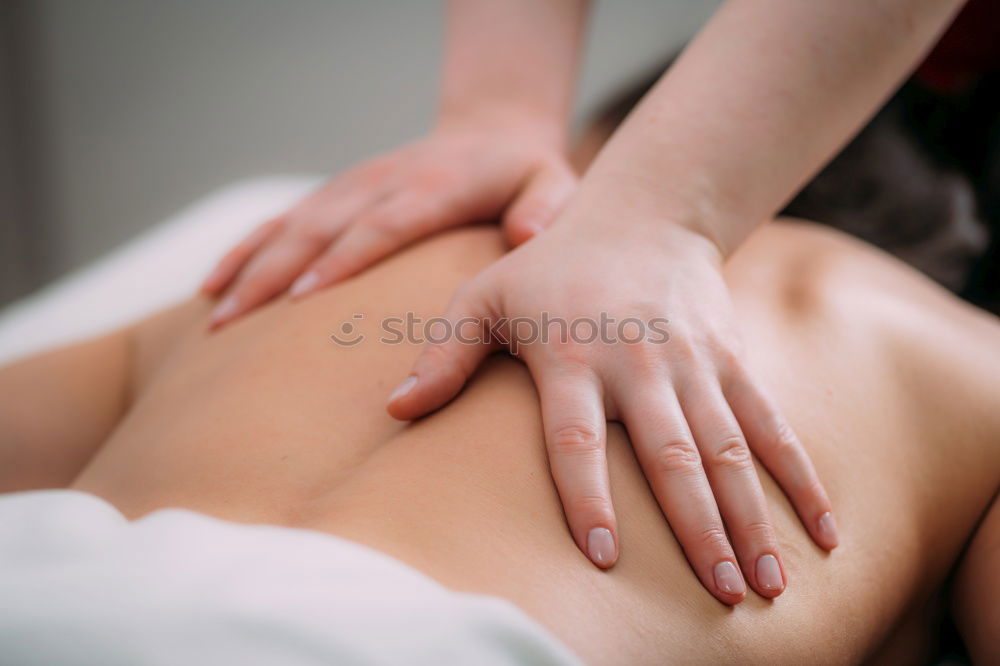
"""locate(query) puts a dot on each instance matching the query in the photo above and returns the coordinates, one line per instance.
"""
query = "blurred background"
(116, 113)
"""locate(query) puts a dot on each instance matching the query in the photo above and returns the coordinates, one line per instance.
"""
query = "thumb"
(448, 359)
(539, 202)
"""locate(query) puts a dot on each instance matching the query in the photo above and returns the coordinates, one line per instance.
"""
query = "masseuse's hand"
(692, 411)
(462, 172)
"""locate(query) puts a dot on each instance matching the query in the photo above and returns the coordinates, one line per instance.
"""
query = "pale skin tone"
(894, 396)
(498, 148)
(762, 97)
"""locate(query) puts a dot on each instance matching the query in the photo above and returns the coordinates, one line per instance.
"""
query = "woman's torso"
(883, 378)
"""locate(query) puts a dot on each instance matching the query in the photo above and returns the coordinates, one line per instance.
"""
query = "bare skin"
(759, 99)
(889, 382)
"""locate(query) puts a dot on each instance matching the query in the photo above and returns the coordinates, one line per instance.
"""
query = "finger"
(727, 460)
(268, 274)
(539, 202)
(447, 359)
(575, 437)
(780, 451)
(331, 206)
(379, 232)
(272, 269)
(229, 266)
(669, 457)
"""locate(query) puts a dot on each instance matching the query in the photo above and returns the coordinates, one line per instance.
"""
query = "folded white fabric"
(158, 268)
(79, 584)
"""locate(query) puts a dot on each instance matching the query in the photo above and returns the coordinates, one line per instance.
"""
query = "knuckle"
(261, 274)
(575, 438)
(645, 360)
(259, 286)
(732, 451)
(682, 349)
(312, 235)
(435, 354)
(677, 456)
(572, 357)
(759, 531)
(593, 506)
(813, 490)
(384, 222)
(786, 442)
(713, 539)
(438, 356)
(440, 362)
(434, 180)
(444, 357)
(428, 215)
(726, 356)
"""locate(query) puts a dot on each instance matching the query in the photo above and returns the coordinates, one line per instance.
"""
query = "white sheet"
(156, 269)
(80, 585)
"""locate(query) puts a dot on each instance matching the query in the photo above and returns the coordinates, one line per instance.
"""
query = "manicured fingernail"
(769, 573)
(304, 284)
(728, 579)
(225, 309)
(405, 387)
(601, 546)
(826, 526)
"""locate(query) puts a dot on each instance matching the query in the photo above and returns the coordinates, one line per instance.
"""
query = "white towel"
(79, 584)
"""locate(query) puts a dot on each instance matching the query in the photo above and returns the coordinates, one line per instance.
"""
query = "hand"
(457, 175)
(692, 411)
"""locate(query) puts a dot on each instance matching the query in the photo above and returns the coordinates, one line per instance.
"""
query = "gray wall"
(128, 109)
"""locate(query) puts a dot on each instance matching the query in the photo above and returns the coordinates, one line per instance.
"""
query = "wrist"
(627, 215)
(637, 204)
(522, 122)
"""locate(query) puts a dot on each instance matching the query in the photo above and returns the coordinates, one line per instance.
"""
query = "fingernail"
(405, 387)
(728, 579)
(601, 546)
(769, 573)
(225, 309)
(304, 284)
(826, 526)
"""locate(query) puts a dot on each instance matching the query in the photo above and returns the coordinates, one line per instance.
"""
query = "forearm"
(512, 61)
(759, 101)
(58, 408)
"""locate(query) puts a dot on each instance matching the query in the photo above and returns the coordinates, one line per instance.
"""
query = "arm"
(58, 408)
(513, 61)
(758, 102)
(497, 148)
(764, 94)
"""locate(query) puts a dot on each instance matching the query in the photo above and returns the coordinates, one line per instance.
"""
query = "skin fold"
(889, 382)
